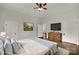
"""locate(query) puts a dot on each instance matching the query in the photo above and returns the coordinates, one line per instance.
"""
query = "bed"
(37, 46)
(30, 46)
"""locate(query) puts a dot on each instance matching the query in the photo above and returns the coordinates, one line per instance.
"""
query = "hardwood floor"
(73, 48)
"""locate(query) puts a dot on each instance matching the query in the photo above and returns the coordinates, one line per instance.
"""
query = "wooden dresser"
(55, 36)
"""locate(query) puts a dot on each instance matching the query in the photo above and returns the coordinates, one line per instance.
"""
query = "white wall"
(69, 27)
(1, 25)
(69, 30)
(12, 17)
(27, 34)
(1, 20)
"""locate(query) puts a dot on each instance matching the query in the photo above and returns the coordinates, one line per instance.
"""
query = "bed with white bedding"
(31, 46)
(37, 46)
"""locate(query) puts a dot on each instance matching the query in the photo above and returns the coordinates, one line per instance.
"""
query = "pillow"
(15, 46)
(1, 47)
(2, 38)
(7, 47)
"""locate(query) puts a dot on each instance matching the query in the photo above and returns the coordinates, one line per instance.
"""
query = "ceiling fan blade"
(45, 8)
(44, 4)
(40, 5)
(36, 8)
(37, 4)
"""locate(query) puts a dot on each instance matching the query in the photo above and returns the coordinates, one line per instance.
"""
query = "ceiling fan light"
(40, 9)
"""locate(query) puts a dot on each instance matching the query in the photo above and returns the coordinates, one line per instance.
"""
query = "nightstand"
(43, 38)
(40, 37)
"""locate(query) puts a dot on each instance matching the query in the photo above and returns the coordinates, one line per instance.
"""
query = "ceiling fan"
(41, 6)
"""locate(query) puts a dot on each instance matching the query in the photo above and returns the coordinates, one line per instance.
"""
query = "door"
(40, 30)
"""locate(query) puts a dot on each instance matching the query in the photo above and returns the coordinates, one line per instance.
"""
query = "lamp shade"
(2, 33)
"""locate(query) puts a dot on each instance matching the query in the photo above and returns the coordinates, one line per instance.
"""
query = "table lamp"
(3, 34)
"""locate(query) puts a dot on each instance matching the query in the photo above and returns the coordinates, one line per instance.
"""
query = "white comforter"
(31, 47)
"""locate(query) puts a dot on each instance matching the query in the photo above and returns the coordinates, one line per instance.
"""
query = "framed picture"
(28, 26)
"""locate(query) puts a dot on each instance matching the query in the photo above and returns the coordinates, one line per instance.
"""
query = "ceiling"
(52, 8)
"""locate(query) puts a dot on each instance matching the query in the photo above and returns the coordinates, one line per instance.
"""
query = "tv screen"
(56, 26)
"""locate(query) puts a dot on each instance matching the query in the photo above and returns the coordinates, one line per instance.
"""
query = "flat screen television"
(56, 26)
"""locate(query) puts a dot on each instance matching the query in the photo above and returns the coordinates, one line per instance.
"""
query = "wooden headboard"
(55, 36)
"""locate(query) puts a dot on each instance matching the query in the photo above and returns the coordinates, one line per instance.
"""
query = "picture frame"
(28, 26)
